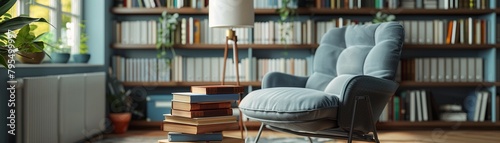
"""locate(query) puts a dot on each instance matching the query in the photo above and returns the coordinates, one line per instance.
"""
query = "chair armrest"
(347, 87)
(277, 79)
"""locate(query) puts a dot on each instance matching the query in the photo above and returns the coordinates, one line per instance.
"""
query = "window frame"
(55, 15)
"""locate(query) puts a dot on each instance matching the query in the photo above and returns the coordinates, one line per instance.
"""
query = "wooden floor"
(435, 136)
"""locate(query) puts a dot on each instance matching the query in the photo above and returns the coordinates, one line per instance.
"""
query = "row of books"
(462, 31)
(449, 69)
(196, 31)
(441, 4)
(141, 69)
(161, 3)
(273, 4)
(411, 105)
(136, 32)
(209, 68)
(420, 105)
(202, 114)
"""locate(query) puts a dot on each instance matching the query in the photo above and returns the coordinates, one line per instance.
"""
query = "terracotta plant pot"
(120, 122)
(31, 58)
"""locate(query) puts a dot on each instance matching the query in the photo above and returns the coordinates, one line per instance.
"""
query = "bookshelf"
(487, 51)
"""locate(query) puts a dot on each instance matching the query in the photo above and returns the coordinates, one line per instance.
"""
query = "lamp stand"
(231, 35)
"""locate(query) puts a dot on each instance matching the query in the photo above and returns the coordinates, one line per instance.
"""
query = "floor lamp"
(231, 14)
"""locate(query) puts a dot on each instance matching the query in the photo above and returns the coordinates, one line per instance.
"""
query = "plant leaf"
(6, 5)
(18, 22)
(2, 61)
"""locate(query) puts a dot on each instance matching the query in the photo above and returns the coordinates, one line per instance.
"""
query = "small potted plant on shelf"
(7, 23)
(31, 48)
(83, 55)
(286, 13)
(120, 104)
(59, 51)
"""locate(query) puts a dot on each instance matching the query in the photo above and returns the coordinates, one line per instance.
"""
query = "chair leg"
(352, 119)
(310, 140)
(370, 112)
(260, 132)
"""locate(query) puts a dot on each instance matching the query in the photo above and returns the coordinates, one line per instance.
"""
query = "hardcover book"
(200, 129)
(202, 113)
(200, 106)
(200, 121)
(197, 98)
(180, 137)
(217, 89)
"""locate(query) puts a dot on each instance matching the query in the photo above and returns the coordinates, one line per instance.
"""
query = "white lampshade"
(230, 13)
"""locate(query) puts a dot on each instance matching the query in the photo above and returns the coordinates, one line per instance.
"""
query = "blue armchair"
(353, 79)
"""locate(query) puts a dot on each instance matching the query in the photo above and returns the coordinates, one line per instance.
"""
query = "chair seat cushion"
(288, 104)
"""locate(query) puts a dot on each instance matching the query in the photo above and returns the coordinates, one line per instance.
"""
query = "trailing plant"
(9, 23)
(286, 14)
(382, 17)
(166, 35)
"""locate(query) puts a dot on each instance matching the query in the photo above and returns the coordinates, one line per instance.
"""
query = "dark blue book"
(197, 98)
(180, 137)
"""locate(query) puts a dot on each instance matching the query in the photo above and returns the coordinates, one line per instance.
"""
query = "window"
(63, 15)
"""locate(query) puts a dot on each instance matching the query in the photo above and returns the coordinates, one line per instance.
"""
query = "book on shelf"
(198, 129)
(201, 120)
(200, 106)
(202, 113)
(180, 137)
(197, 98)
(217, 89)
(442, 69)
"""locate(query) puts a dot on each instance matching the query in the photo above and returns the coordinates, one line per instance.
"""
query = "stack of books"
(202, 114)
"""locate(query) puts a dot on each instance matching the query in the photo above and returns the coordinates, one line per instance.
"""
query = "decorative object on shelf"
(231, 14)
(83, 55)
(7, 23)
(120, 104)
(166, 35)
(382, 17)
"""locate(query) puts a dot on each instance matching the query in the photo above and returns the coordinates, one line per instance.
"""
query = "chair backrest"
(372, 49)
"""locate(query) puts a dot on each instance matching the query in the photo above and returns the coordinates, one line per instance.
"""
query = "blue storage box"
(157, 106)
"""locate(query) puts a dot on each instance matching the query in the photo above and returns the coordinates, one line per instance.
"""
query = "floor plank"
(433, 136)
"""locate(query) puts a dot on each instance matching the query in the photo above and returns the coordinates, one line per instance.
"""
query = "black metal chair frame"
(337, 134)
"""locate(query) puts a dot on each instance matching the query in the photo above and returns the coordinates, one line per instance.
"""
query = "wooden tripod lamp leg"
(225, 60)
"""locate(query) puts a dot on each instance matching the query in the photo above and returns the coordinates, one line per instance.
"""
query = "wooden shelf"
(218, 46)
(311, 11)
(447, 46)
(185, 84)
(444, 84)
(297, 46)
(430, 125)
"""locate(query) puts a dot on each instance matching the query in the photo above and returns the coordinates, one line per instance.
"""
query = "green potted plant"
(120, 104)
(7, 23)
(83, 55)
(59, 52)
(30, 47)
